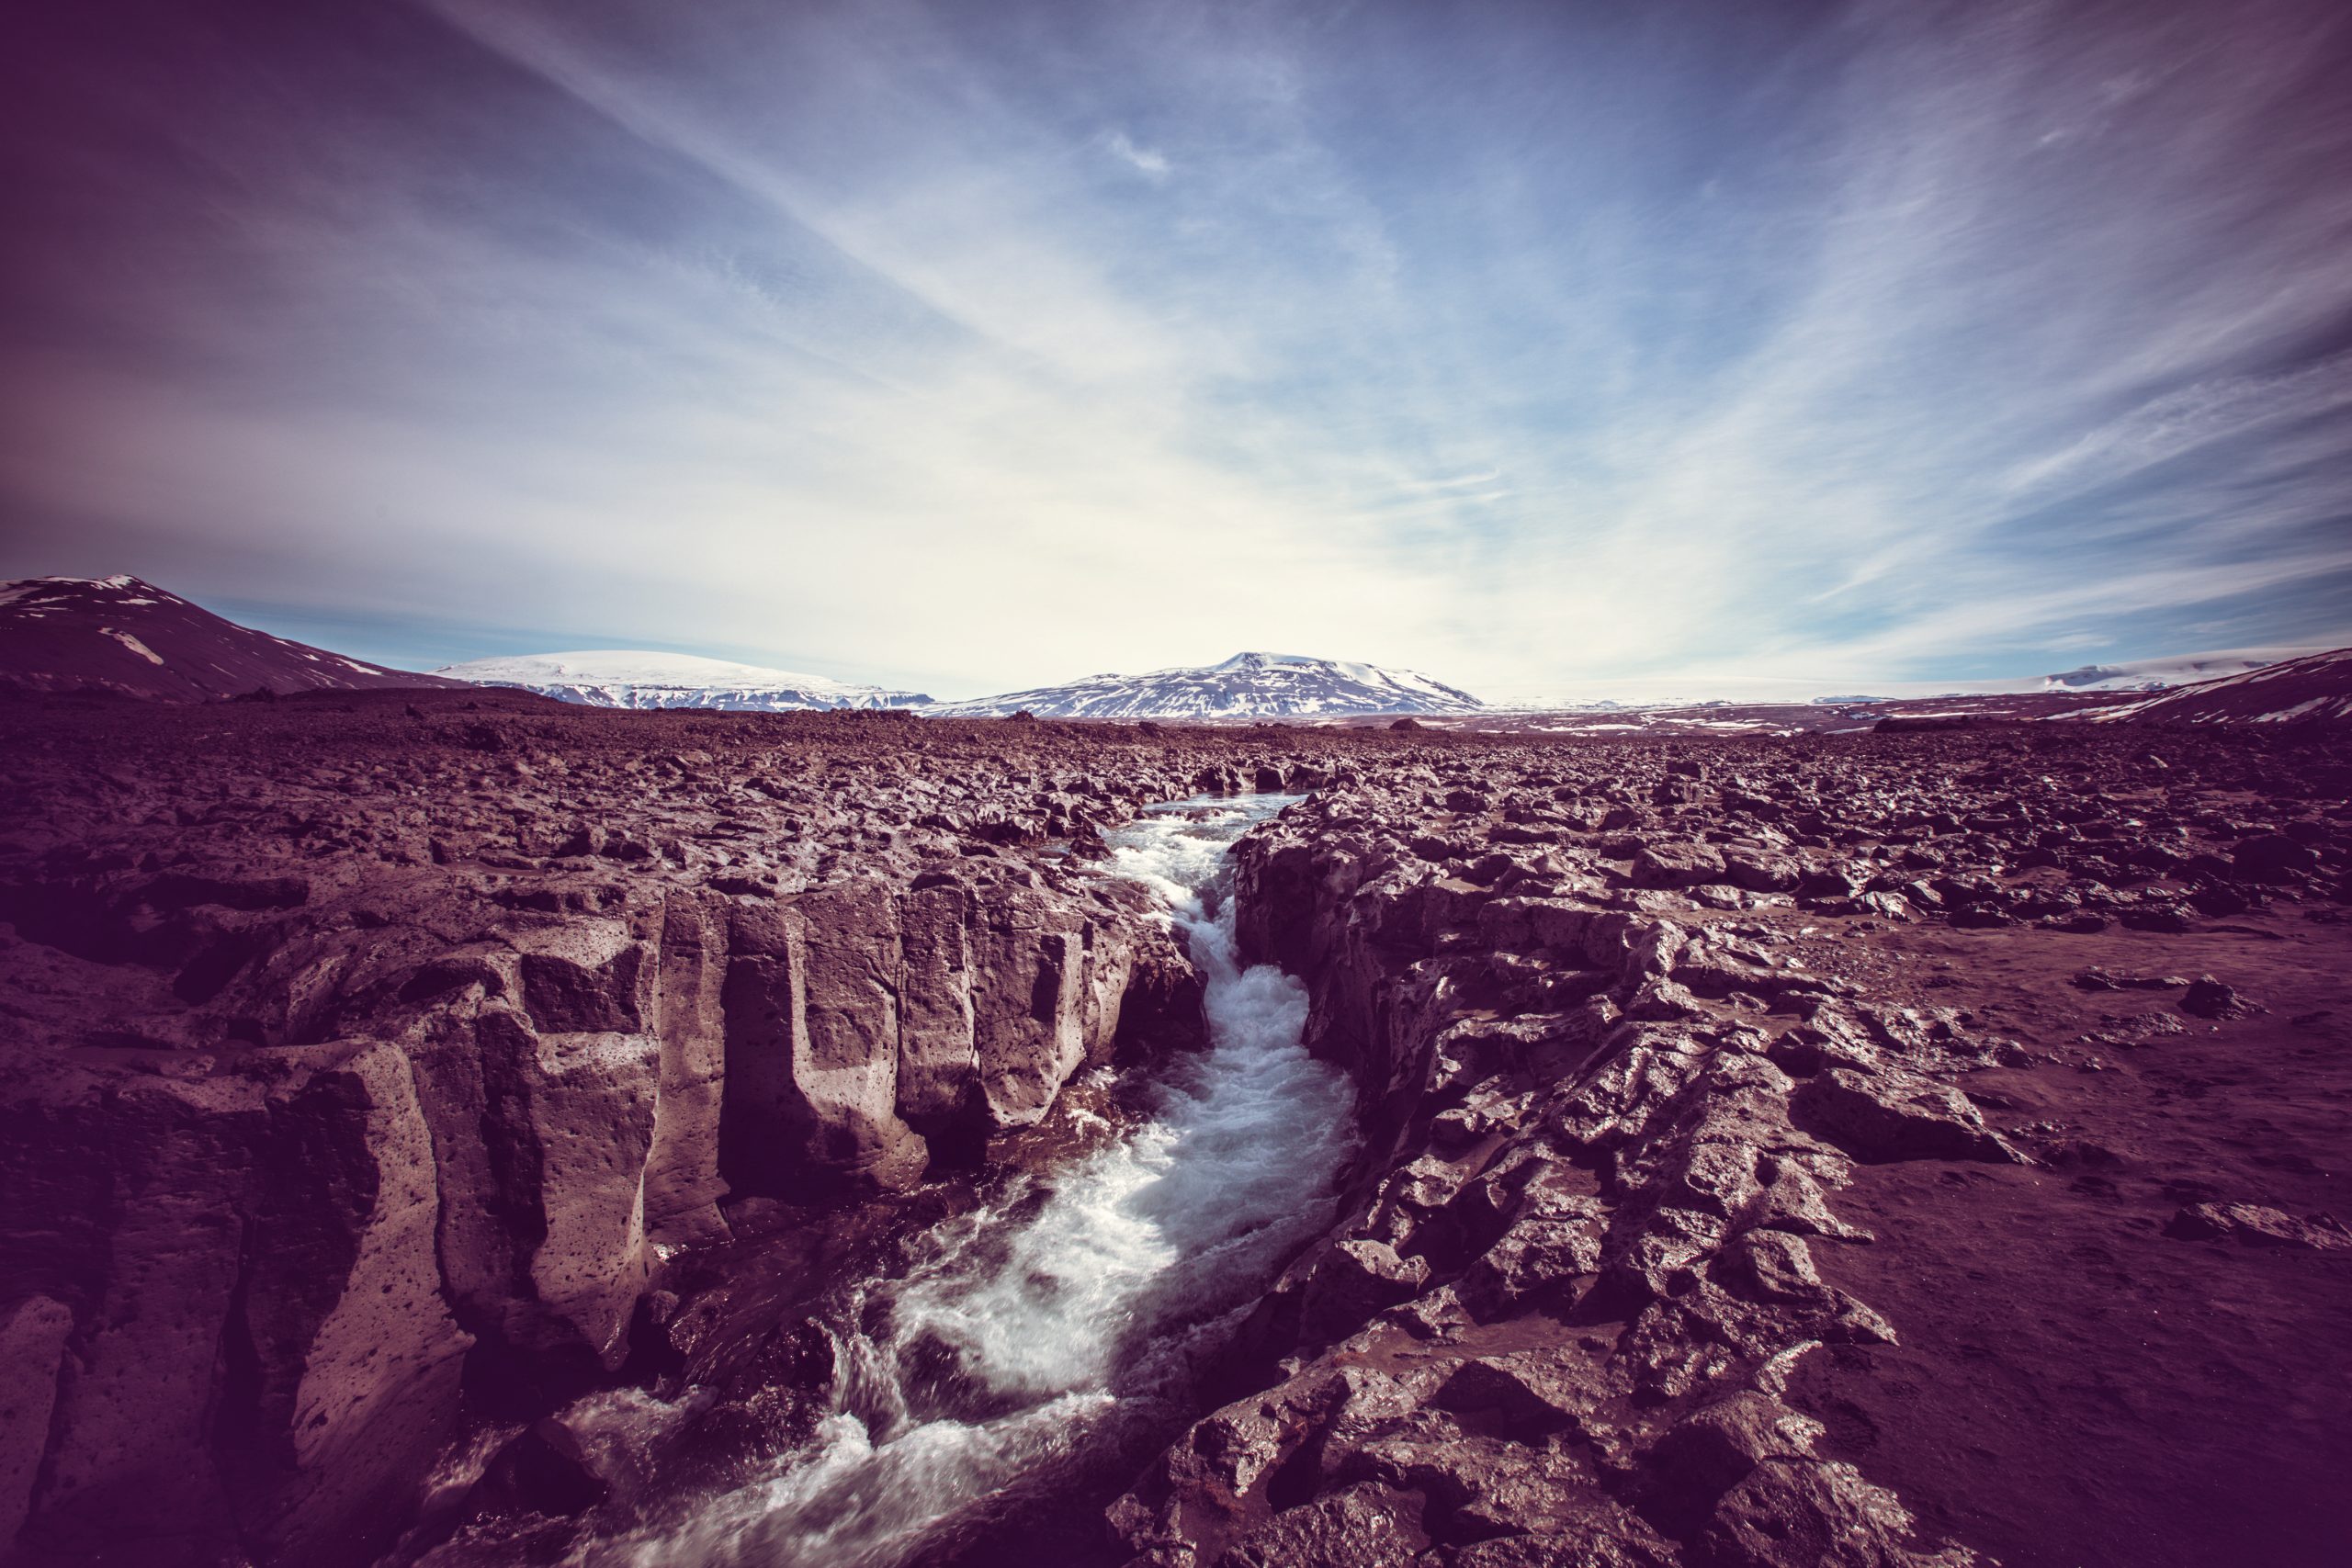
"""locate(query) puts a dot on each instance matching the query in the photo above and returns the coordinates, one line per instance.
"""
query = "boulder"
(2273, 858)
(1892, 1114)
(2208, 998)
(1760, 871)
(1531, 1394)
(1355, 1279)
(32, 1354)
(1678, 865)
(1717, 1446)
(1359, 1527)
(2254, 1225)
(1799, 1513)
(1538, 1259)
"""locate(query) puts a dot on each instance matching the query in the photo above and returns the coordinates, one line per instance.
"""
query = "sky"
(1565, 351)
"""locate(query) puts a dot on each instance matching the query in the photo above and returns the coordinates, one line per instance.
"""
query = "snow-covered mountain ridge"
(2294, 691)
(629, 678)
(2172, 670)
(1248, 685)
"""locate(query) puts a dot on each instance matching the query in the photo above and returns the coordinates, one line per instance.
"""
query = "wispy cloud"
(1543, 351)
(1145, 161)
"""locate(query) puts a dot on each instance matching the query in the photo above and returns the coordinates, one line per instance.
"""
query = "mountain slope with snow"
(1248, 685)
(119, 635)
(2299, 690)
(2173, 669)
(626, 678)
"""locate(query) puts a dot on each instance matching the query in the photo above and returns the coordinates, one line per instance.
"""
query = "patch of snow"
(133, 644)
(41, 589)
(1248, 685)
(2171, 670)
(636, 679)
(2224, 699)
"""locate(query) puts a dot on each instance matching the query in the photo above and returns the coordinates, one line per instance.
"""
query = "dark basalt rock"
(1893, 1115)
(1676, 865)
(2208, 998)
(2252, 1225)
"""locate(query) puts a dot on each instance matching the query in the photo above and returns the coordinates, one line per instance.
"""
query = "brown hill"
(120, 635)
(2314, 690)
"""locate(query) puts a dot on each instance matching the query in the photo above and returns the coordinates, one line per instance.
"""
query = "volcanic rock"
(395, 1067)
(2252, 1225)
(1894, 1114)
(384, 1072)
(2208, 998)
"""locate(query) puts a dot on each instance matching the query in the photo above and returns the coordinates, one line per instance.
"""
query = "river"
(1065, 1318)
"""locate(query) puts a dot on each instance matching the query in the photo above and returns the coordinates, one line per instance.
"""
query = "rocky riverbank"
(1656, 1046)
(368, 1058)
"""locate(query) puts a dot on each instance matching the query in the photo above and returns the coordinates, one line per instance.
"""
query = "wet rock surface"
(1908, 1148)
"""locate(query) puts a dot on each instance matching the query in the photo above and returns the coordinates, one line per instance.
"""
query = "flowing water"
(1071, 1313)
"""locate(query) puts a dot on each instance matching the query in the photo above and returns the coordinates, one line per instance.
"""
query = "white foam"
(1075, 1294)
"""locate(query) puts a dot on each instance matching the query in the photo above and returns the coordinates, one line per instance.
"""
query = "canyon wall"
(364, 1067)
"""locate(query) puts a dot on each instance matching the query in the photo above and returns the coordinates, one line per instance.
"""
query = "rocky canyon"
(450, 1126)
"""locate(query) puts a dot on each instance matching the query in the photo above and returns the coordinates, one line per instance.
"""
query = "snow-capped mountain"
(2173, 669)
(623, 678)
(2296, 691)
(1248, 685)
(118, 633)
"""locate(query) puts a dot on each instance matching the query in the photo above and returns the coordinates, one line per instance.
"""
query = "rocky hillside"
(1248, 685)
(2162, 674)
(2312, 690)
(124, 637)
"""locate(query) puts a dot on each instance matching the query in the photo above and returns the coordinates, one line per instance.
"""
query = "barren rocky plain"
(1889, 1148)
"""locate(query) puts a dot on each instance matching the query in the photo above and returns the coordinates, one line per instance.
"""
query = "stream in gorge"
(1019, 1348)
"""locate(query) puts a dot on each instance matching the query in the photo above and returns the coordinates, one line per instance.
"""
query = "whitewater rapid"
(1075, 1305)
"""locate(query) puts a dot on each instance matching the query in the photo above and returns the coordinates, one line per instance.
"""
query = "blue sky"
(1561, 350)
